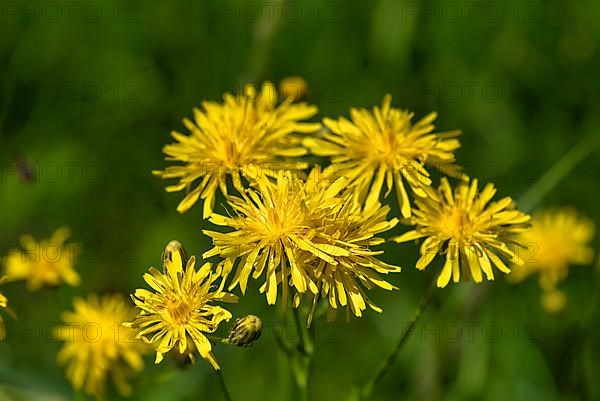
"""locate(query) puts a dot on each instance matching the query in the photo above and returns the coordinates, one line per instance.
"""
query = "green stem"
(556, 173)
(223, 385)
(305, 345)
(79, 396)
(303, 361)
(385, 366)
(218, 340)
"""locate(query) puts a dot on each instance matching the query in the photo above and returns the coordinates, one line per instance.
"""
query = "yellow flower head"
(558, 238)
(305, 235)
(272, 224)
(49, 262)
(384, 145)
(3, 304)
(342, 280)
(241, 137)
(468, 229)
(180, 310)
(97, 346)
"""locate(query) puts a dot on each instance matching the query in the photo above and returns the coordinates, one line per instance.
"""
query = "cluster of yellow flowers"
(302, 233)
(97, 345)
(314, 232)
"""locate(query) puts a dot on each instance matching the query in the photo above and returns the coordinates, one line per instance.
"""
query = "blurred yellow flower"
(3, 305)
(47, 263)
(272, 224)
(294, 88)
(468, 229)
(97, 346)
(558, 238)
(306, 235)
(246, 135)
(181, 309)
(384, 145)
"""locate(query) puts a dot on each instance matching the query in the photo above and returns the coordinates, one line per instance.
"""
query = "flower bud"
(295, 88)
(553, 301)
(174, 246)
(245, 331)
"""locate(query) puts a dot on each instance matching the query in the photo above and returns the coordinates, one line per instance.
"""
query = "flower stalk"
(367, 388)
(223, 386)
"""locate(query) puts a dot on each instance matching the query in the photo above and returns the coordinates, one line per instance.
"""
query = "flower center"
(229, 155)
(457, 224)
(384, 147)
(278, 221)
(180, 311)
(47, 272)
(552, 251)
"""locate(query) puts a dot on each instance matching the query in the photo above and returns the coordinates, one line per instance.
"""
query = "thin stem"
(385, 366)
(218, 340)
(281, 342)
(223, 385)
(79, 396)
(303, 362)
(305, 345)
(557, 172)
(284, 346)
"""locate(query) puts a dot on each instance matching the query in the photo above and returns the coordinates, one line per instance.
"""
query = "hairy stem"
(367, 388)
(302, 363)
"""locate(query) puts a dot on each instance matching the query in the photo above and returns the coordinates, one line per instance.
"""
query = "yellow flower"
(241, 137)
(468, 229)
(343, 280)
(307, 235)
(48, 262)
(97, 346)
(3, 305)
(558, 238)
(180, 310)
(294, 88)
(384, 145)
(272, 224)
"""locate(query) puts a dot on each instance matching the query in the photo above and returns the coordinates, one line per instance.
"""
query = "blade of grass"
(558, 172)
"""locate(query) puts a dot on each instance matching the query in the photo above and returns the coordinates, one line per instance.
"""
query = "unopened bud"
(245, 331)
(295, 88)
(170, 249)
(553, 301)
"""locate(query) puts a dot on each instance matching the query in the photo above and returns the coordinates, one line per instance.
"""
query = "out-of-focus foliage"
(88, 99)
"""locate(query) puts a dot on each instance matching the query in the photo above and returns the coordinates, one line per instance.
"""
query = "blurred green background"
(90, 91)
